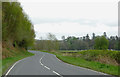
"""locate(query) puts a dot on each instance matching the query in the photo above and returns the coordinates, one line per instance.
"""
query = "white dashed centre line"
(48, 67)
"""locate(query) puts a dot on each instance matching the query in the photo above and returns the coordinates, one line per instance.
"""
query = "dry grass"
(106, 60)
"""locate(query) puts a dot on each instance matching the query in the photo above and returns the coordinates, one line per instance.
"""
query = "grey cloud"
(81, 21)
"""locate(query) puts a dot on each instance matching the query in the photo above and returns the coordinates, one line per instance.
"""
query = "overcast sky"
(72, 17)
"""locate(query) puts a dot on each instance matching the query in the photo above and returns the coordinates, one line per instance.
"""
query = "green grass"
(68, 51)
(94, 65)
(0, 67)
(112, 54)
(106, 68)
(7, 62)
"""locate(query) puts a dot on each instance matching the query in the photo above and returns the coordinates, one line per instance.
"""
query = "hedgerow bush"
(95, 55)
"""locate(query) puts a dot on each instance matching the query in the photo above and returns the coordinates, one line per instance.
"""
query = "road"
(45, 64)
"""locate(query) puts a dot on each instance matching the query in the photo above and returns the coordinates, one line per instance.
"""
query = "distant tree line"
(50, 44)
(81, 43)
(96, 42)
(17, 29)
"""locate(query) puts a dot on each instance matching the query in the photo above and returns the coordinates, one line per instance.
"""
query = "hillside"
(17, 34)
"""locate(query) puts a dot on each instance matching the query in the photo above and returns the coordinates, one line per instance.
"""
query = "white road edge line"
(82, 67)
(48, 67)
(13, 66)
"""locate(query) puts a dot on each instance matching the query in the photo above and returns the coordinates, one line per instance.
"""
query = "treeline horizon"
(80, 43)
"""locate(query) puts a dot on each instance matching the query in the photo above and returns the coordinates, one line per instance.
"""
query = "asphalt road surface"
(48, 64)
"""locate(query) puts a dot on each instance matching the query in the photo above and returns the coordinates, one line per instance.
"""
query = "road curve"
(45, 64)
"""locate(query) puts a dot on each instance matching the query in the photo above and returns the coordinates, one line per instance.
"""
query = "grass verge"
(106, 68)
(78, 61)
(7, 62)
(0, 67)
